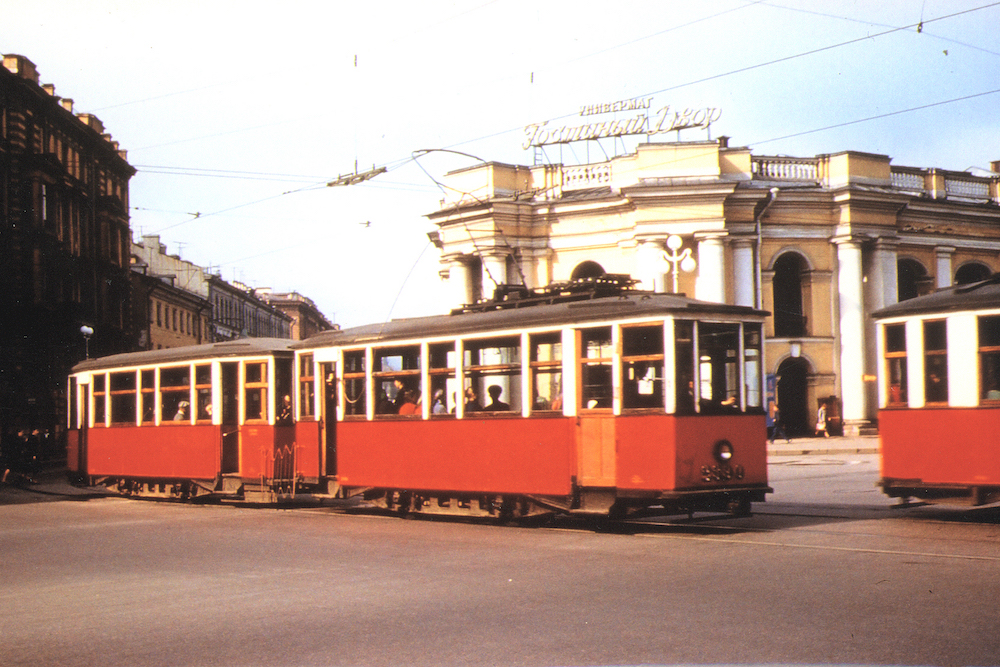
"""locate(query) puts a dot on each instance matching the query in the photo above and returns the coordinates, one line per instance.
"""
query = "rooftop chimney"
(21, 66)
(67, 104)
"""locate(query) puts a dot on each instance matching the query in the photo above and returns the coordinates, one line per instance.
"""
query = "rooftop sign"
(665, 120)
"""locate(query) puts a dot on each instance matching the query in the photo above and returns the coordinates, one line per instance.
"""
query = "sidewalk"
(862, 444)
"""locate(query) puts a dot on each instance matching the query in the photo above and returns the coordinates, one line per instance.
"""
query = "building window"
(789, 317)
(973, 272)
(911, 279)
(159, 314)
(935, 361)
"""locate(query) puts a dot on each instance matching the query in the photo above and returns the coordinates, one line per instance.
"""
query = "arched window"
(972, 272)
(911, 278)
(587, 269)
(789, 317)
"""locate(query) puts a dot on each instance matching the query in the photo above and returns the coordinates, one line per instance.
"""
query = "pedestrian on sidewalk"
(778, 425)
(821, 419)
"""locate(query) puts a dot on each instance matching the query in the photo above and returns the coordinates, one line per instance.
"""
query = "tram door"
(230, 417)
(84, 429)
(329, 416)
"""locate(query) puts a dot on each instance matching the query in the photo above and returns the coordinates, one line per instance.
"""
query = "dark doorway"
(329, 416)
(793, 396)
(230, 417)
(911, 279)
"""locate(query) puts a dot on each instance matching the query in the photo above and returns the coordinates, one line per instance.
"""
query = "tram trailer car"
(197, 421)
(590, 398)
(939, 395)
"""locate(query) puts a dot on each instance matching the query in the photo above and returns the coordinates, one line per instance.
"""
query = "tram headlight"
(723, 451)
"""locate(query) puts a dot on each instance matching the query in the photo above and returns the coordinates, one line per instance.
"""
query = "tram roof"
(973, 296)
(630, 304)
(243, 347)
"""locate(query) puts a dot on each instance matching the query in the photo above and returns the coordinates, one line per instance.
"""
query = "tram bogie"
(939, 396)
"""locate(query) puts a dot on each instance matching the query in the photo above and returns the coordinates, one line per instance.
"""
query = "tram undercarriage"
(909, 491)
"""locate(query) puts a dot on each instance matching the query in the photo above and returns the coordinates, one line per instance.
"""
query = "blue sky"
(236, 118)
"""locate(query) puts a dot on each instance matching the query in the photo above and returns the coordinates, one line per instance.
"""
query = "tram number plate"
(722, 473)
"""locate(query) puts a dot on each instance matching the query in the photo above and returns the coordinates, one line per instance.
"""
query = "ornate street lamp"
(87, 333)
(679, 260)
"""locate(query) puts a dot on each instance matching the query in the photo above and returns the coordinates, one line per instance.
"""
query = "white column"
(884, 288)
(459, 284)
(710, 284)
(650, 265)
(743, 272)
(852, 333)
(494, 272)
(944, 273)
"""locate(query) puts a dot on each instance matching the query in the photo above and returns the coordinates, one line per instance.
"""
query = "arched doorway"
(973, 272)
(911, 279)
(587, 269)
(793, 396)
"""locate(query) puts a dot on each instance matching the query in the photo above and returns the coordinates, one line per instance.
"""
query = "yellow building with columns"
(820, 242)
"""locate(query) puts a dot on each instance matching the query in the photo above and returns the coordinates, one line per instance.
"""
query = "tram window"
(175, 393)
(397, 380)
(255, 390)
(307, 386)
(100, 398)
(74, 422)
(283, 390)
(989, 358)
(596, 353)
(684, 362)
(203, 391)
(718, 367)
(546, 371)
(442, 374)
(752, 364)
(355, 396)
(493, 371)
(935, 361)
(895, 363)
(642, 366)
(147, 391)
(123, 398)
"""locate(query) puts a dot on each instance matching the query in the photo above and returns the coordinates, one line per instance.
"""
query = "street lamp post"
(678, 260)
(87, 333)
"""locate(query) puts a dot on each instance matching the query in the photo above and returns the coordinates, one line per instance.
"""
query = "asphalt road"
(826, 572)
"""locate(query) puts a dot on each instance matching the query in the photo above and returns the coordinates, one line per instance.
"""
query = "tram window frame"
(483, 368)
(355, 384)
(388, 402)
(441, 374)
(935, 362)
(684, 368)
(988, 329)
(122, 389)
(895, 364)
(596, 391)
(719, 374)
(175, 388)
(545, 358)
(99, 382)
(147, 395)
(255, 390)
(203, 391)
(307, 387)
(753, 365)
(640, 355)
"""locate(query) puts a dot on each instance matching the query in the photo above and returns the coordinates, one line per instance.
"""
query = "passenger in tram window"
(496, 405)
(472, 403)
(400, 397)
(181, 413)
(285, 411)
(438, 406)
(383, 406)
(410, 404)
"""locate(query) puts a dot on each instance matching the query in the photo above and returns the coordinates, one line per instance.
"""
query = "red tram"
(939, 395)
(193, 421)
(590, 398)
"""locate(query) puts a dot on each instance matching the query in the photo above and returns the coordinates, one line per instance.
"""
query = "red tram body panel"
(169, 452)
(508, 455)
